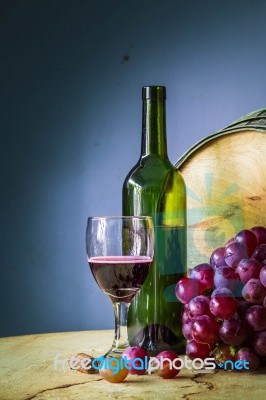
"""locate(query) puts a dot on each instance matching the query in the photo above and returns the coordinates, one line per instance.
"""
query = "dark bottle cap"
(154, 92)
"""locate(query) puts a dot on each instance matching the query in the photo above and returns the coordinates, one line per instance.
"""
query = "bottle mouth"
(154, 93)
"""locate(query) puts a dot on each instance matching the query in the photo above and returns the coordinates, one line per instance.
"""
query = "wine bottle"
(155, 187)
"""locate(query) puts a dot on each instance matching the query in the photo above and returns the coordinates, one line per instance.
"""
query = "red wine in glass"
(120, 277)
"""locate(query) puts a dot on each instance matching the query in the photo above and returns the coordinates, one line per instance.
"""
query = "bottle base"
(156, 338)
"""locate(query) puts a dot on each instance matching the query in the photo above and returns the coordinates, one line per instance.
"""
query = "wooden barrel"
(225, 174)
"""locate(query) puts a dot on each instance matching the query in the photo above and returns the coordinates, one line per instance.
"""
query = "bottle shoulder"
(155, 187)
(150, 169)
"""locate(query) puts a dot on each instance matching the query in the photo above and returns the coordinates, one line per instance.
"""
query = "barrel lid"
(225, 175)
(254, 121)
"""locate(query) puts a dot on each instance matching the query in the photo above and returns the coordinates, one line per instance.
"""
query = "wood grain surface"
(27, 372)
(226, 185)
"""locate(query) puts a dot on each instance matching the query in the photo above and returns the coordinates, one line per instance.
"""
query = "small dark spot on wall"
(125, 58)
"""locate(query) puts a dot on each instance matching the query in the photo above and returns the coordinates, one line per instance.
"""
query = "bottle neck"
(154, 128)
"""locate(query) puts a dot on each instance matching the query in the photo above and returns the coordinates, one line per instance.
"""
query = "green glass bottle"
(155, 187)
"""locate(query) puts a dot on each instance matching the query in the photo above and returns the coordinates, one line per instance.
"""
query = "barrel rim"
(235, 127)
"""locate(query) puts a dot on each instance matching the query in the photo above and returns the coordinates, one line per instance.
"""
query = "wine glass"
(120, 251)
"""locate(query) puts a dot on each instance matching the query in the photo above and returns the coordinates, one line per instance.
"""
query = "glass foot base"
(116, 352)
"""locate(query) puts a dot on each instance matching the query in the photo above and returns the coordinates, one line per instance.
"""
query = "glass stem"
(121, 338)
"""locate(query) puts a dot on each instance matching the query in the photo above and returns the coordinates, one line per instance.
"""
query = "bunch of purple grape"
(224, 314)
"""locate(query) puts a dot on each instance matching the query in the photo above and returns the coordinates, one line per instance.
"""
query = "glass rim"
(141, 217)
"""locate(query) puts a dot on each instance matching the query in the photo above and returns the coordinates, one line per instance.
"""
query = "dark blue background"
(71, 78)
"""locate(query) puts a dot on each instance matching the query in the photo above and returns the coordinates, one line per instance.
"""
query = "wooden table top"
(27, 372)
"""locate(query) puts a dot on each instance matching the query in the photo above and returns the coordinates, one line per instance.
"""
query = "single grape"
(234, 253)
(223, 292)
(223, 352)
(263, 276)
(185, 316)
(248, 355)
(186, 329)
(225, 277)
(248, 238)
(136, 352)
(254, 292)
(230, 241)
(204, 274)
(260, 253)
(168, 371)
(247, 269)
(259, 343)
(242, 308)
(187, 288)
(217, 257)
(197, 306)
(260, 233)
(233, 332)
(108, 372)
(223, 307)
(256, 318)
(205, 329)
(264, 302)
(197, 350)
